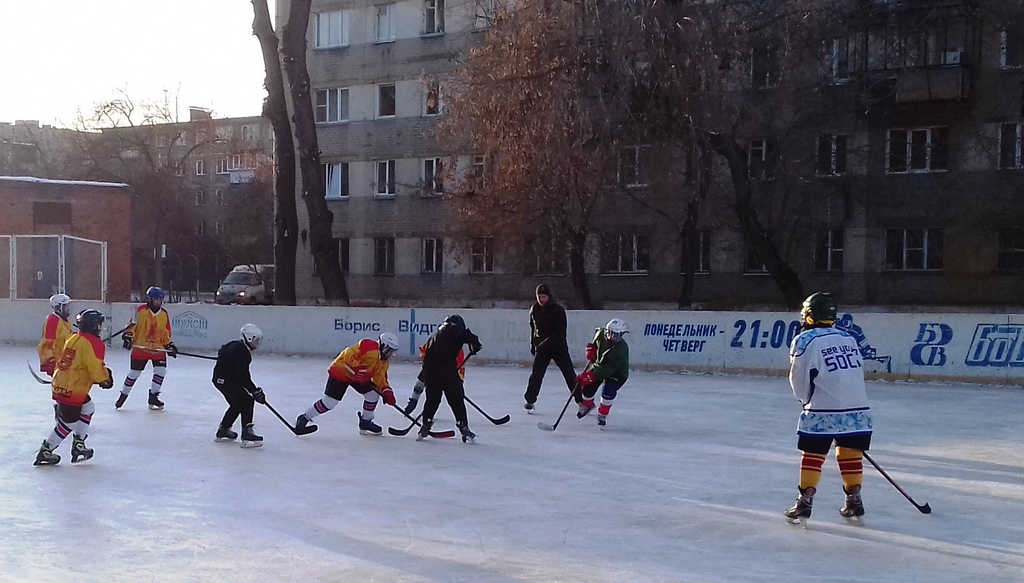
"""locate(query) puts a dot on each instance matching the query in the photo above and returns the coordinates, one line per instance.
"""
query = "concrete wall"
(955, 347)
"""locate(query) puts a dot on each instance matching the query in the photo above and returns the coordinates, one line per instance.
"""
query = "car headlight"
(241, 294)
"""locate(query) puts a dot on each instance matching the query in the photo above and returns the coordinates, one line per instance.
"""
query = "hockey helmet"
(615, 328)
(89, 321)
(61, 305)
(155, 293)
(454, 321)
(388, 344)
(819, 308)
(252, 336)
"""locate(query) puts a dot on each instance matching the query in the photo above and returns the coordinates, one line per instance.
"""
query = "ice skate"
(585, 407)
(120, 401)
(853, 509)
(529, 408)
(424, 431)
(301, 422)
(467, 435)
(602, 421)
(249, 437)
(801, 511)
(79, 452)
(46, 456)
(368, 427)
(155, 403)
(225, 434)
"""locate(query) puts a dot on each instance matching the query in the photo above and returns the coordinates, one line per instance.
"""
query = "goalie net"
(38, 266)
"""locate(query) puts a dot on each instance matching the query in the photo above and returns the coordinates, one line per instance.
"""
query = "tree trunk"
(321, 240)
(691, 245)
(275, 108)
(782, 274)
(577, 270)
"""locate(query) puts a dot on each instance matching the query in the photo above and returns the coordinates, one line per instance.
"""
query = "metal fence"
(38, 266)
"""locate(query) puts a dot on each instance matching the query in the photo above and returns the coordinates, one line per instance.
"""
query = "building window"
(433, 176)
(222, 166)
(200, 168)
(762, 159)
(386, 100)
(220, 198)
(546, 255)
(1010, 142)
(481, 255)
(1011, 49)
(752, 262)
(225, 133)
(433, 16)
(201, 228)
(331, 105)
(336, 180)
(432, 99)
(386, 177)
(1010, 256)
(331, 29)
(384, 256)
(702, 254)
(433, 256)
(250, 133)
(200, 198)
(633, 166)
(343, 254)
(385, 23)
(477, 172)
(625, 253)
(918, 150)
(482, 14)
(913, 249)
(831, 159)
(179, 170)
(234, 162)
(828, 250)
(764, 67)
(218, 228)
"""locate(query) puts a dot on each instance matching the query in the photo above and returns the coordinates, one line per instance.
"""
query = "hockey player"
(417, 389)
(149, 338)
(364, 367)
(547, 343)
(79, 367)
(440, 374)
(56, 330)
(608, 365)
(828, 379)
(231, 377)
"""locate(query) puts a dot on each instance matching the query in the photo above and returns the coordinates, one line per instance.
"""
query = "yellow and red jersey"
(56, 331)
(151, 332)
(462, 359)
(79, 367)
(364, 354)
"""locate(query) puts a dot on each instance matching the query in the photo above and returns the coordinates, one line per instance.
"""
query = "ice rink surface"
(686, 484)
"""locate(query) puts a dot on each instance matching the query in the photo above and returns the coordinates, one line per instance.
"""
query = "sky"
(687, 484)
(62, 56)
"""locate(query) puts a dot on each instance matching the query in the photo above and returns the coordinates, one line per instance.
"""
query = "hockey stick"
(401, 432)
(576, 388)
(193, 355)
(38, 378)
(415, 420)
(296, 430)
(121, 331)
(500, 421)
(924, 508)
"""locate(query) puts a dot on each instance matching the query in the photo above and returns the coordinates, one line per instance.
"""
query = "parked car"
(247, 284)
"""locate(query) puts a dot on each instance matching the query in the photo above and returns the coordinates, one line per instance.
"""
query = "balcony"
(938, 83)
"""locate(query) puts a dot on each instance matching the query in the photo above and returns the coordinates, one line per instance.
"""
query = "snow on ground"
(687, 484)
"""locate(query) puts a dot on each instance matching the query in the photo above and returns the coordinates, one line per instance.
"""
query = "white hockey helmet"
(252, 336)
(61, 305)
(615, 328)
(388, 344)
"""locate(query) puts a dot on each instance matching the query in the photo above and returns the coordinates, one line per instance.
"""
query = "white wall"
(975, 347)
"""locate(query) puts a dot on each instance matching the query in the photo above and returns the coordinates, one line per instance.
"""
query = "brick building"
(77, 216)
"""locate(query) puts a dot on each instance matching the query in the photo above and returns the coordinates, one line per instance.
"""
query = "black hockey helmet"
(89, 321)
(819, 309)
(454, 321)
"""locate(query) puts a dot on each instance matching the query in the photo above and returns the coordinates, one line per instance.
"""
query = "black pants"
(541, 360)
(240, 402)
(454, 392)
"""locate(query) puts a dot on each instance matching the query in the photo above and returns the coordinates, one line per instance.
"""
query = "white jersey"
(828, 378)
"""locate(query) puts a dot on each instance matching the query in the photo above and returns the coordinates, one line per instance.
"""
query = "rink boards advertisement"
(913, 346)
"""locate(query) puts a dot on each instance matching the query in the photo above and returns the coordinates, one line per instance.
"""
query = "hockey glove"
(475, 346)
(127, 339)
(109, 383)
(171, 349)
(533, 350)
(410, 406)
(591, 352)
(49, 366)
(389, 396)
(586, 378)
(259, 396)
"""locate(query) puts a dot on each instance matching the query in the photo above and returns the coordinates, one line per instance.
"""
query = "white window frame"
(926, 249)
(477, 171)
(201, 229)
(626, 263)
(331, 30)
(326, 99)
(385, 23)
(234, 162)
(250, 133)
(1018, 147)
(222, 166)
(839, 145)
(773, 67)
(433, 12)
(432, 89)
(200, 198)
(703, 254)
(929, 145)
(481, 255)
(219, 196)
(385, 245)
(200, 167)
(225, 133)
(218, 228)
(432, 255)
(381, 87)
(337, 180)
(640, 157)
(1004, 51)
(762, 150)
(549, 255)
(432, 176)
(830, 256)
(389, 187)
